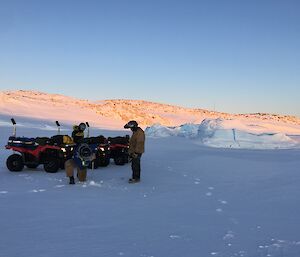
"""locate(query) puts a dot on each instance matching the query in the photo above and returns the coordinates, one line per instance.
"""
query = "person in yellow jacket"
(136, 149)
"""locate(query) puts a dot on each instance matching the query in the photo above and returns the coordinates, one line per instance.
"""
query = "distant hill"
(115, 113)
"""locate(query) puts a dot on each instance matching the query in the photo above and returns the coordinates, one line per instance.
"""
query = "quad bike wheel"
(52, 165)
(104, 162)
(15, 162)
(119, 160)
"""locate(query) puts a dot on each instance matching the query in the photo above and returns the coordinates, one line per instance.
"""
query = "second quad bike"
(119, 149)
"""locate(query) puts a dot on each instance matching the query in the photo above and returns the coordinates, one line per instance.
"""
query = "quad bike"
(119, 149)
(31, 152)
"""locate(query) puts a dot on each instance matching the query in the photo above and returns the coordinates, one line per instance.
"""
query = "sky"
(234, 56)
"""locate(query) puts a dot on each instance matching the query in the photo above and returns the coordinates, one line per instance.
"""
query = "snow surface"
(231, 134)
(193, 201)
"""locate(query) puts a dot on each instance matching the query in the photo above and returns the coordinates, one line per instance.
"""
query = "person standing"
(136, 149)
(71, 164)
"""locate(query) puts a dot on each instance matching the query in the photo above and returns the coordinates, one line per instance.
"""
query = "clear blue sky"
(232, 55)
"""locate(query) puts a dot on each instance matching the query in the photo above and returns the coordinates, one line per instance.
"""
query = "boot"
(133, 180)
(72, 181)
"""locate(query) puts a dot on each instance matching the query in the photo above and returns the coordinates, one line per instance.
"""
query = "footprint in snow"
(244, 253)
(174, 237)
(37, 190)
(210, 193)
(58, 186)
(55, 179)
(223, 202)
(93, 183)
(229, 235)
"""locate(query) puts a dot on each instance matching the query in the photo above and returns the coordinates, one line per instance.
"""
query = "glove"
(133, 155)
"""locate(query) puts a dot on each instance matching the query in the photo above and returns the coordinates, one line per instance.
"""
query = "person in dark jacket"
(136, 149)
(70, 165)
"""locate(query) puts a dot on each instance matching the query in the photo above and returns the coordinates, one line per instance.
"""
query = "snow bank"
(158, 130)
(227, 134)
(186, 130)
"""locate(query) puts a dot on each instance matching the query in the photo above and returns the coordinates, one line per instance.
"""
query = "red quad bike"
(32, 155)
(119, 149)
(27, 152)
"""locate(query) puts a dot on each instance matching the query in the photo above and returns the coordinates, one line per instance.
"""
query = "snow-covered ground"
(193, 201)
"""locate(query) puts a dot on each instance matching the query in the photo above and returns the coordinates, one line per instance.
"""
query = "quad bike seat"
(25, 142)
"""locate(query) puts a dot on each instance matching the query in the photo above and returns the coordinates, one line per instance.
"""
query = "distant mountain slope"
(114, 113)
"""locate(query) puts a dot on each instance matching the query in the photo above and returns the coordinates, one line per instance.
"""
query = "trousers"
(70, 165)
(136, 166)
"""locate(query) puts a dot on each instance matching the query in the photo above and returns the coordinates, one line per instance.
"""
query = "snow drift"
(225, 133)
(228, 134)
